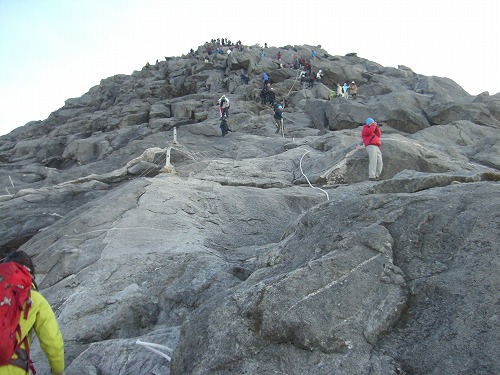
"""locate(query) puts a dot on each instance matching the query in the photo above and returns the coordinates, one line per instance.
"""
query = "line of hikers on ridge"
(267, 94)
(307, 76)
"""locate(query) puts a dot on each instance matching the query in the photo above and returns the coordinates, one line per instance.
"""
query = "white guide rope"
(154, 348)
(301, 171)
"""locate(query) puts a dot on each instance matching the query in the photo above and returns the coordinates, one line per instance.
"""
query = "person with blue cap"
(278, 119)
(371, 139)
(345, 92)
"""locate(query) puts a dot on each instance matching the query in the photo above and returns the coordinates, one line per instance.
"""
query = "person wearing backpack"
(353, 90)
(24, 310)
(271, 96)
(224, 127)
(319, 75)
(224, 106)
(311, 80)
(264, 95)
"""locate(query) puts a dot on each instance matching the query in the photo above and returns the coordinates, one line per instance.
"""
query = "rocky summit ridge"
(255, 253)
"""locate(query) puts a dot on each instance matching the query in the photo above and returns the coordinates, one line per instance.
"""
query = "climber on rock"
(224, 106)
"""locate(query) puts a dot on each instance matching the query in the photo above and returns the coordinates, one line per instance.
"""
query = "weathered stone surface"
(310, 301)
(256, 253)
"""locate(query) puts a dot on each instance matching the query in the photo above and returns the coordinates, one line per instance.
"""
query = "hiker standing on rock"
(303, 77)
(311, 80)
(353, 90)
(344, 90)
(371, 138)
(265, 78)
(224, 106)
(278, 120)
(339, 90)
(271, 96)
(223, 126)
(28, 311)
(264, 95)
(319, 75)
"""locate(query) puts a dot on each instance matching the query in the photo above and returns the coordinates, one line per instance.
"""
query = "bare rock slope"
(255, 253)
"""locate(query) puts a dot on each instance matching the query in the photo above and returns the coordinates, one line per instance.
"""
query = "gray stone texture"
(255, 253)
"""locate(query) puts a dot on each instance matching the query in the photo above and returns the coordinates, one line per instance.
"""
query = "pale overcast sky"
(52, 50)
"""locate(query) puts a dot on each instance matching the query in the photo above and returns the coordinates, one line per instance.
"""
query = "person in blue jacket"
(345, 93)
(265, 77)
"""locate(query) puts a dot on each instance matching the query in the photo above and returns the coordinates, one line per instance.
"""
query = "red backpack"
(15, 287)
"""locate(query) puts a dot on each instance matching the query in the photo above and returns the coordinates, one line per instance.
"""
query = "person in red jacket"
(371, 138)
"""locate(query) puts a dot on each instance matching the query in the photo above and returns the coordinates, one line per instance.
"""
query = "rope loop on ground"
(303, 174)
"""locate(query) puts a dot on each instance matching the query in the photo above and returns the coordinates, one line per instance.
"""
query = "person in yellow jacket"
(42, 320)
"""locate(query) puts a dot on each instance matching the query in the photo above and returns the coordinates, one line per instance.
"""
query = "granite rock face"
(257, 253)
